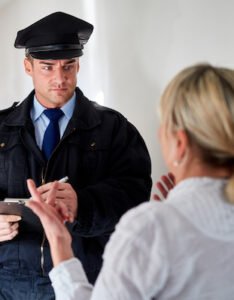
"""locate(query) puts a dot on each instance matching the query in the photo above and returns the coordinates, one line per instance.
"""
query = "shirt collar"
(68, 108)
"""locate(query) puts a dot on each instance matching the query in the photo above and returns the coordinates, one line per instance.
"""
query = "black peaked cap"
(56, 36)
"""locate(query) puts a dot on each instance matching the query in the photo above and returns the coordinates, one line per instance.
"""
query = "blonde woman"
(181, 248)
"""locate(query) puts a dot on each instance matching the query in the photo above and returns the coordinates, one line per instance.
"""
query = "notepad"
(16, 206)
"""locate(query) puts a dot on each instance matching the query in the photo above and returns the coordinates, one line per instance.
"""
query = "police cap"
(56, 36)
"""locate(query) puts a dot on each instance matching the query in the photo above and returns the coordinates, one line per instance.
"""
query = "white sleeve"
(69, 280)
(135, 266)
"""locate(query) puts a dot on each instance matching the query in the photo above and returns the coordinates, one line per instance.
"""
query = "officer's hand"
(9, 225)
(164, 186)
(65, 194)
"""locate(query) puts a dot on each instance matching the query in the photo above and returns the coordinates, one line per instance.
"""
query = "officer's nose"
(60, 76)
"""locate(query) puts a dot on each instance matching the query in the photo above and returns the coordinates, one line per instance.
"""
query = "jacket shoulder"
(107, 110)
(7, 110)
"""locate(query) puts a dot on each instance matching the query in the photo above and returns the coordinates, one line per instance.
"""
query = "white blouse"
(179, 249)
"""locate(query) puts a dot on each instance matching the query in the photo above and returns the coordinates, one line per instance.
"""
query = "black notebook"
(14, 206)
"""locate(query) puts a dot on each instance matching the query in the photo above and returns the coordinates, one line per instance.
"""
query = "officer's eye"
(47, 68)
(67, 67)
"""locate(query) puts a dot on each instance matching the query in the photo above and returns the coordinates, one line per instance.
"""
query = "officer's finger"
(9, 218)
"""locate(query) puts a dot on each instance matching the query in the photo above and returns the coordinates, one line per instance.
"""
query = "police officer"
(56, 132)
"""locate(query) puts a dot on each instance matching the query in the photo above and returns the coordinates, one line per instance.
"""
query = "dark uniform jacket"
(107, 163)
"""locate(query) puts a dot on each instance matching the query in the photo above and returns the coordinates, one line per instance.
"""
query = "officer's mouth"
(59, 89)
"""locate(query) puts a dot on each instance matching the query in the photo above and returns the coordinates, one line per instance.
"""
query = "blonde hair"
(200, 100)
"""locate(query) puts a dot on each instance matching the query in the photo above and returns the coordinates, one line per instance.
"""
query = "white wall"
(136, 47)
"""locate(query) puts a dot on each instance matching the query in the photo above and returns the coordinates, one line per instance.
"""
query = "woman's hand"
(164, 186)
(53, 216)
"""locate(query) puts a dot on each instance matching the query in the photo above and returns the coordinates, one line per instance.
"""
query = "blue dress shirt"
(40, 121)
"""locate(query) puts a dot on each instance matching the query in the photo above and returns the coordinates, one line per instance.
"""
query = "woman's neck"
(199, 169)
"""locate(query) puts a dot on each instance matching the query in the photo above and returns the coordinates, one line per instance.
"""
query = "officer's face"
(54, 80)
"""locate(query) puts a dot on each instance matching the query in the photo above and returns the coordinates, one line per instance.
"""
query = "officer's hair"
(200, 100)
(29, 57)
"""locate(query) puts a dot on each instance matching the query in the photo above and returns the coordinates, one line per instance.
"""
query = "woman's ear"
(28, 66)
(182, 143)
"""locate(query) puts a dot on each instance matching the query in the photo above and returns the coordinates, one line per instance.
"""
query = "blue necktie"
(52, 134)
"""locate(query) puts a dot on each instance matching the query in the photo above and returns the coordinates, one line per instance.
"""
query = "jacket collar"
(85, 114)
(21, 113)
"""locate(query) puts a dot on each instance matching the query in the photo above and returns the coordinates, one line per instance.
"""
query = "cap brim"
(61, 54)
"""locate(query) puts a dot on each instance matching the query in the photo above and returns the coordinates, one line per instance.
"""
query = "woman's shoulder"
(145, 221)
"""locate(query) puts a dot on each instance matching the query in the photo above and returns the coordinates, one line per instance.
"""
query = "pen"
(64, 179)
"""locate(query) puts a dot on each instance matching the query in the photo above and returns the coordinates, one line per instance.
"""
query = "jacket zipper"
(42, 253)
(43, 181)
(43, 237)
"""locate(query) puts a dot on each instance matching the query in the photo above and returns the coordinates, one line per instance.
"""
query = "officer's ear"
(28, 65)
(78, 64)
